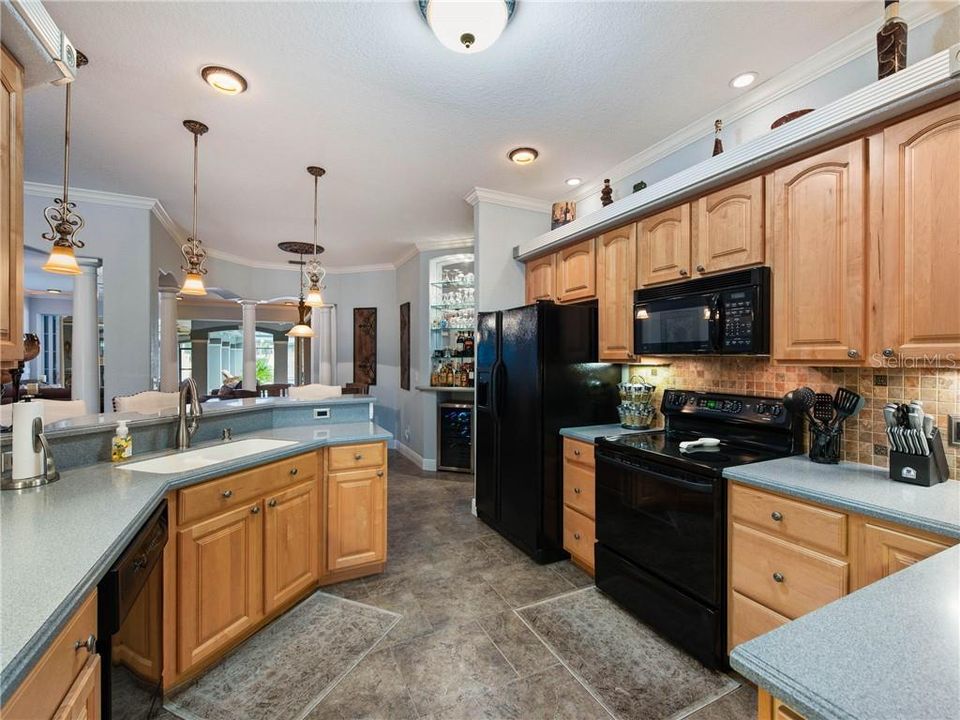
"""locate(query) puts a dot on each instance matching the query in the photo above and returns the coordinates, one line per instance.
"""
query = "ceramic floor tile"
(522, 649)
(572, 574)
(445, 667)
(457, 599)
(637, 674)
(373, 690)
(526, 582)
(553, 694)
(741, 704)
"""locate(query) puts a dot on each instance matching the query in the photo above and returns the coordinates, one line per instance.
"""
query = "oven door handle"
(706, 486)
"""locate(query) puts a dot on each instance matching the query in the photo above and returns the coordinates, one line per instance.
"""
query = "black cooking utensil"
(823, 408)
(800, 401)
(847, 403)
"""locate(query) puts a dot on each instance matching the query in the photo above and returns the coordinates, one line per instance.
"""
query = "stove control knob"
(761, 408)
(776, 410)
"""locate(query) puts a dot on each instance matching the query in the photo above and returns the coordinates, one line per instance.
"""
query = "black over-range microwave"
(725, 314)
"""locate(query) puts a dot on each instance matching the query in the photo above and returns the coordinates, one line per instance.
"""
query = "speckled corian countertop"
(56, 542)
(589, 433)
(858, 488)
(890, 651)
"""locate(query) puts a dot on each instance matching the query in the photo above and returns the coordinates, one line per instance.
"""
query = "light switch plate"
(953, 433)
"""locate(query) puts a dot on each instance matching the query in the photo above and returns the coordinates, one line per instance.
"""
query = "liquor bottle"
(891, 41)
(459, 344)
(468, 345)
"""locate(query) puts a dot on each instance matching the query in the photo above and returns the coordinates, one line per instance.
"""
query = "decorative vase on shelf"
(606, 195)
(717, 141)
(637, 187)
(891, 41)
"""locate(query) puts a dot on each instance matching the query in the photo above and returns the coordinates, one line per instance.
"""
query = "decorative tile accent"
(938, 388)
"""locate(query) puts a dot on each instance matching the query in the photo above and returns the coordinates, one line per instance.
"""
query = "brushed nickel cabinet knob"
(89, 644)
(777, 516)
(294, 471)
(358, 456)
(379, 473)
(577, 491)
(701, 268)
(273, 502)
(778, 577)
(576, 536)
(888, 352)
(851, 353)
(255, 509)
(683, 272)
(227, 493)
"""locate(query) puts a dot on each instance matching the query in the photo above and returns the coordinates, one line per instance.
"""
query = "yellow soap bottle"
(122, 446)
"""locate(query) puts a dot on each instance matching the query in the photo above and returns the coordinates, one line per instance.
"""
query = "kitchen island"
(59, 540)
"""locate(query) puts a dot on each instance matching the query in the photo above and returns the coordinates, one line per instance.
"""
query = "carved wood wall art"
(365, 345)
(405, 346)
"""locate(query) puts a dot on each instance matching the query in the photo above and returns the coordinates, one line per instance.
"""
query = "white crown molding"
(854, 45)
(95, 196)
(479, 194)
(428, 245)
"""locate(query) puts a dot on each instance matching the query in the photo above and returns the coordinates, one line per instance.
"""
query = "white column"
(280, 360)
(249, 344)
(326, 340)
(85, 358)
(318, 344)
(169, 347)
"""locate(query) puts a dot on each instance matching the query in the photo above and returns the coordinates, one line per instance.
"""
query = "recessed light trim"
(744, 79)
(224, 80)
(573, 182)
(54, 291)
(523, 155)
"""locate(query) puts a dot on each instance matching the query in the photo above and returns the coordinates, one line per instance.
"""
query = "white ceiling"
(404, 127)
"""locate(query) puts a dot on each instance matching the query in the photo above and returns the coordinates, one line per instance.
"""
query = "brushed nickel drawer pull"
(273, 502)
(90, 644)
(227, 493)
(358, 456)
(294, 471)
(778, 577)
(576, 536)
(576, 490)
(255, 509)
(777, 516)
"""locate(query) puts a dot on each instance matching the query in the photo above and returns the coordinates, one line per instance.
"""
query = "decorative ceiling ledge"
(179, 235)
(927, 81)
(495, 197)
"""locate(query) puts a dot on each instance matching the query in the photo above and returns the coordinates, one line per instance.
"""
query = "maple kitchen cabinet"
(919, 265)
(355, 490)
(663, 252)
(540, 279)
(291, 544)
(11, 209)
(579, 502)
(819, 258)
(728, 228)
(65, 682)
(616, 281)
(577, 271)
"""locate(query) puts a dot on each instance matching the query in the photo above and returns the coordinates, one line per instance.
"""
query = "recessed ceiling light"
(54, 291)
(523, 155)
(573, 182)
(224, 80)
(743, 80)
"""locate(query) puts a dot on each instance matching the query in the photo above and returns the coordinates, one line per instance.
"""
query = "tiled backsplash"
(864, 438)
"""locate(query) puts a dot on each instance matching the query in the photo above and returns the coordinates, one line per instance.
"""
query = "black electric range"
(661, 511)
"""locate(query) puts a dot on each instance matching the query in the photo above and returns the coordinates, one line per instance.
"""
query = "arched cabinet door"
(663, 251)
(616, 281)
(819, 258)
(920, 249)
(728, 228)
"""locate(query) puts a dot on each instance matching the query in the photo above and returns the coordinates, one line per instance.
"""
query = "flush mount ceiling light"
(573, 182)
(467, 26)
(743, 79)
(65, 224)
(224, 80)
(314, 268)
(523, 155)
(54, 291)
(192, 251)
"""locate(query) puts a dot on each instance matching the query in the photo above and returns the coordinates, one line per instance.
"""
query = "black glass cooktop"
(664, 446)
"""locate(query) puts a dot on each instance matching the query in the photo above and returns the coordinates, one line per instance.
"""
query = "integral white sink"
(193, 459)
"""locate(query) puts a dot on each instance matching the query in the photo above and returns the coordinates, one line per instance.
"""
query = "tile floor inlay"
(634, 672)
(281, 672)
(460, 649)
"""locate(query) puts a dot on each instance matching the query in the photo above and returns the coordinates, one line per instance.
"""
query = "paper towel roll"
(26, 462)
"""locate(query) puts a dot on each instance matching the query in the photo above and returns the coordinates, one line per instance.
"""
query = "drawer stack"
(579, 502)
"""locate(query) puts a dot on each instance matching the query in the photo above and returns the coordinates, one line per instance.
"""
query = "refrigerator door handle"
(492, 397)
(499, 383)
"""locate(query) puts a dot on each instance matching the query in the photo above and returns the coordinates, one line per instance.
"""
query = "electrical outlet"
(321, 413)
(953, 422)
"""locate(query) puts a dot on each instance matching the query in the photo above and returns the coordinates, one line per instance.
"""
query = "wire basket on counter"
(640, 393)
(636, 416)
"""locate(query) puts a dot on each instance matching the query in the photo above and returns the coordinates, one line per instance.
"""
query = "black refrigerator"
(537, 372)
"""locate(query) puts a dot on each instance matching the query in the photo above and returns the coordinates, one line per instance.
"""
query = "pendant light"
(65, 224)
(193, 252)
(314, 268)
(302, 329)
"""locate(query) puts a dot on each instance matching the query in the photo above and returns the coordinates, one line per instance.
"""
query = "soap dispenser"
(122, 447)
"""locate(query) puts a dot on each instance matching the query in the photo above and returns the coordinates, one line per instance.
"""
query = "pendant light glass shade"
(62, 261)
(300, 331)
(314, 297)
(193, 284)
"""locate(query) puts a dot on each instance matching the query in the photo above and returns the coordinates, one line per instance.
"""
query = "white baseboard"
(415, 457)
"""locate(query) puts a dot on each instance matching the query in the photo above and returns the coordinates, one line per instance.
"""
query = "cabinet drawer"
(209, 498)
(579, 490)
(790, 519)
(351, 457)
(786, 578)
(749, 619)
(578, 451)
(47, 685)
(579, 536)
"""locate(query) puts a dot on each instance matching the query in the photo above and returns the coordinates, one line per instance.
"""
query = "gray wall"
(925, 40)
(497, 230)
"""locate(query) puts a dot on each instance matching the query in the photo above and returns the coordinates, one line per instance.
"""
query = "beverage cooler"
(455, 437)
